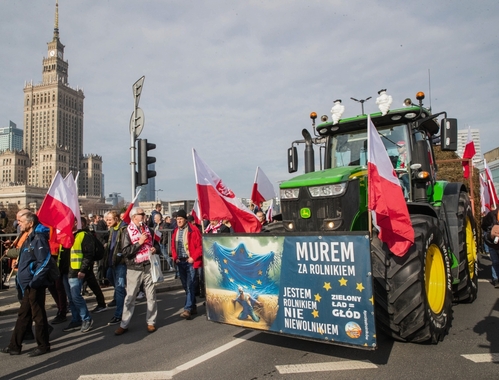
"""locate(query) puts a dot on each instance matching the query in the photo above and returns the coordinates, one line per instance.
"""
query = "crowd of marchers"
(106, 251)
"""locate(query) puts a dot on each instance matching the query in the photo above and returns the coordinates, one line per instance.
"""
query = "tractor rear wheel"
(413, 293)
(467, 289)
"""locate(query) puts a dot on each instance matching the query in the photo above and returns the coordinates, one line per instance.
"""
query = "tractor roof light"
(324, 118)
(420, 95)
(313, 115)
(423, 175)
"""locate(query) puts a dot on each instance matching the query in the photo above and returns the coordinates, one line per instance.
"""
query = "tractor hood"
(325, 177)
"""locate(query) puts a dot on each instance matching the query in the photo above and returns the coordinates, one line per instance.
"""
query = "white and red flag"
(157, 236)
(386, 198)
(218, 202)
(270, 211)
(196, 213)
(485, 198)
(494, 201)
(74, 205)
(57, 212)
(134, 203)
(263, 190)
(469, 152)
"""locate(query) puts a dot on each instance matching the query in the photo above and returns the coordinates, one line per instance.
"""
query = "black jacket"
(489, 221)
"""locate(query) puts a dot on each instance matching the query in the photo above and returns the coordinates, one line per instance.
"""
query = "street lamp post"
(157, 194)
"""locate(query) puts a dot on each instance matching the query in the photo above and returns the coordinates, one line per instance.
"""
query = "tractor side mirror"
(448, 133)
(292, 159)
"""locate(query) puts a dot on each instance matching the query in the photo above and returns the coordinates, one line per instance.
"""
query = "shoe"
(120, 331)
(151, 328)
(73, 326)
(8, 350)
(112, 303)
(59, 318)
(114, 321)
(141, 295)
(186, 314)
(86, 325)
(99, 309)
(496, 285)
(38, 352)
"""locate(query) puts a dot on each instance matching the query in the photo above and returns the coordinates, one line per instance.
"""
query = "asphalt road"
(199, 349)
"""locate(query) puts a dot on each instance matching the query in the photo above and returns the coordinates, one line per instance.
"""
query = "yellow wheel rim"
(435, 279)
(470, 248)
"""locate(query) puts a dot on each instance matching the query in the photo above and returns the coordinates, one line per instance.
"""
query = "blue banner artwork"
(313, 287)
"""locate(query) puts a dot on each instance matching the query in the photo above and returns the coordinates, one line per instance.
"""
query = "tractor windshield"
(350, 149)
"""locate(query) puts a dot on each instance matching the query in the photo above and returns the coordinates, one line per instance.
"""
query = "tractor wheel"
(467, 289)
(413, 293)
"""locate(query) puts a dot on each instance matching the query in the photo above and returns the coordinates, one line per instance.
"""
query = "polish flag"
(126, 215)
(494, 201)
(196, 213)
(57, 213)
(270, 211)
(485, 197)
(75, 206)
(262, 188)
(216, 201)
(469, 152)
(386, 198)
(157, 236)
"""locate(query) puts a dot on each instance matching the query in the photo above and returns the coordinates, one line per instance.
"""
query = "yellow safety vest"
(76, 252)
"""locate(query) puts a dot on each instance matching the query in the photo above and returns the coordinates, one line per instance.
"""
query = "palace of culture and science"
(52, 141)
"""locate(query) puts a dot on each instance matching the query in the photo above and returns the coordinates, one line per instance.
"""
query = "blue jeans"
(187, 275)
(117, 278)
(494, 257)
(77, 304)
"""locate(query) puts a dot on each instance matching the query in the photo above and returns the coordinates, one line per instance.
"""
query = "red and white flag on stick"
(469, 152)
(196, 213)
(263, 190)
(218, 202)
(134, 203)
(270, 211)
(494, 201)
(485, 198)
(386, 198)
(57, 212)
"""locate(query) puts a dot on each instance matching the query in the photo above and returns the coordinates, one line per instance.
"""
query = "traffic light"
(143, 161)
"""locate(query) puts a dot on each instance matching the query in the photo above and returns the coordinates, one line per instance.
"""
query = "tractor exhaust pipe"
(309, 152)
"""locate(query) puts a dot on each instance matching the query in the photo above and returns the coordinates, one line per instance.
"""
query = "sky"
(237, 80)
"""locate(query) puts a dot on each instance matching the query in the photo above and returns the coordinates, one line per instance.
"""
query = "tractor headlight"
(289, 193)
(328, 190)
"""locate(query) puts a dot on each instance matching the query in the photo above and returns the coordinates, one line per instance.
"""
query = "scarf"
(213, 229)
(135, 234)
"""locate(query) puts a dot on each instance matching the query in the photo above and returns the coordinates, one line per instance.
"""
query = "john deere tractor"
(414, 293)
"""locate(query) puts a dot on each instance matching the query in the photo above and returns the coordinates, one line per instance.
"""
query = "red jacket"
(194, 245)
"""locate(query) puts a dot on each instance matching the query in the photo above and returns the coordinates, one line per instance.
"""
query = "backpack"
(99, 248)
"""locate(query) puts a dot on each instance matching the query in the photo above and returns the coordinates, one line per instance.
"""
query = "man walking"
(32, 280)
(187, 253)
(138, 244)
(80, 259)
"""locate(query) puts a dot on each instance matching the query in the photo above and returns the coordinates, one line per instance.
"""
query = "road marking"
(483, 280)
(482, 358)
(165, 375)
(325, 367)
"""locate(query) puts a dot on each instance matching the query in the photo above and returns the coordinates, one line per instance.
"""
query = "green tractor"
(414, 294)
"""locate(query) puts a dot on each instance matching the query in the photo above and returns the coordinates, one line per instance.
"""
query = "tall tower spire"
(56, 21)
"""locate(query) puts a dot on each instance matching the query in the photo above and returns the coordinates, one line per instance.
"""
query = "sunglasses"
(141, 213)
